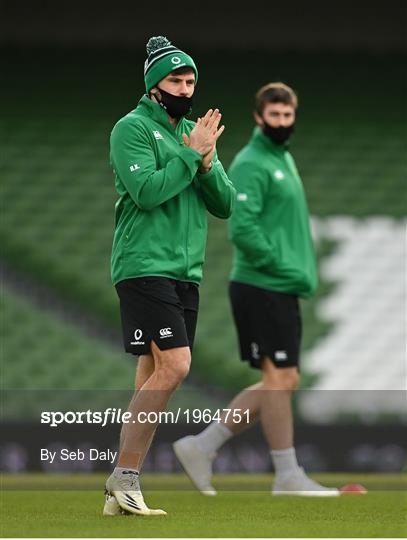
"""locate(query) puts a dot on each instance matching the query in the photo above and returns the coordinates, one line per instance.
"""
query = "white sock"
(213, 437)
(119, 470)
(285, 461)
(123, 471)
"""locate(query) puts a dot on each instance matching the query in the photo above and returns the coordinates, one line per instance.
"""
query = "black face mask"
(279, 135)
(176, 106)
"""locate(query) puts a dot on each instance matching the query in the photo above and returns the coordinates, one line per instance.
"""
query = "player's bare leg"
(278, 427)
(248, 399)
(276, 410)
(271, 401)
(196, 453)
(170, 368)
(144, 370)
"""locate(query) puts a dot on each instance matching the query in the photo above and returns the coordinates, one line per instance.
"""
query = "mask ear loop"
(159, 100)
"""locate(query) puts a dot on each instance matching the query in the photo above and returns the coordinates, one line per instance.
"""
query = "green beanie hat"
(162, 59)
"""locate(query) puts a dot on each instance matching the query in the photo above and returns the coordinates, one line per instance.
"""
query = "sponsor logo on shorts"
(157, 135)
(165, 333)
(242, 196)
(255, 350)
(134, 167)
(280, 356)
(137, 336)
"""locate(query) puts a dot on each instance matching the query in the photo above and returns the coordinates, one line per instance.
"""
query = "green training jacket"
(161, 213)
(270, 226)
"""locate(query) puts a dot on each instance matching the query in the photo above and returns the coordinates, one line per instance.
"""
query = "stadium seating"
(49, 363)
(361, 362)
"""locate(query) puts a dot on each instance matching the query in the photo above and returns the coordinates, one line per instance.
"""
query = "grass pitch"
(71, 505)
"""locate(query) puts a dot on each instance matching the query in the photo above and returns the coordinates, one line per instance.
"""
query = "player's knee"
(173, 366)
(291, 380)
(280, 378)
(175, 374)
(181, 369)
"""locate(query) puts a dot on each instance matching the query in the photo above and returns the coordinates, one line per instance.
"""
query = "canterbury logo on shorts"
(165, 333)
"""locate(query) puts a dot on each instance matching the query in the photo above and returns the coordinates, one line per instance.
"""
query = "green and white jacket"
(161, 213)
(270, 226)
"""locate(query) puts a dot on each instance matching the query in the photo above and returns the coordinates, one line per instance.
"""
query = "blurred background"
(69, 71)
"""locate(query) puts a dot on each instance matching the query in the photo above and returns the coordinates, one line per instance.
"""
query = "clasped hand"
(204, 135)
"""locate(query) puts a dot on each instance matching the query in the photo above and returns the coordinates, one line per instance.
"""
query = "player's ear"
(155, 94)
(258, 119)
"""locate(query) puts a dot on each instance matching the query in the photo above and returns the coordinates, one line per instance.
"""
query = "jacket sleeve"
(244, 226)
(134, 161)
(217, 190)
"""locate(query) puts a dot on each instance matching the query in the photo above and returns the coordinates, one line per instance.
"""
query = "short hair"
(276, 92)
(181, 71)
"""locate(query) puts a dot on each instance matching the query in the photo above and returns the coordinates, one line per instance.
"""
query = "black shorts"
(160, 309)
(268, 323)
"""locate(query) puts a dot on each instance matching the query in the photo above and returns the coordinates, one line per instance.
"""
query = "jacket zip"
(186, 238)
(181, 142)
